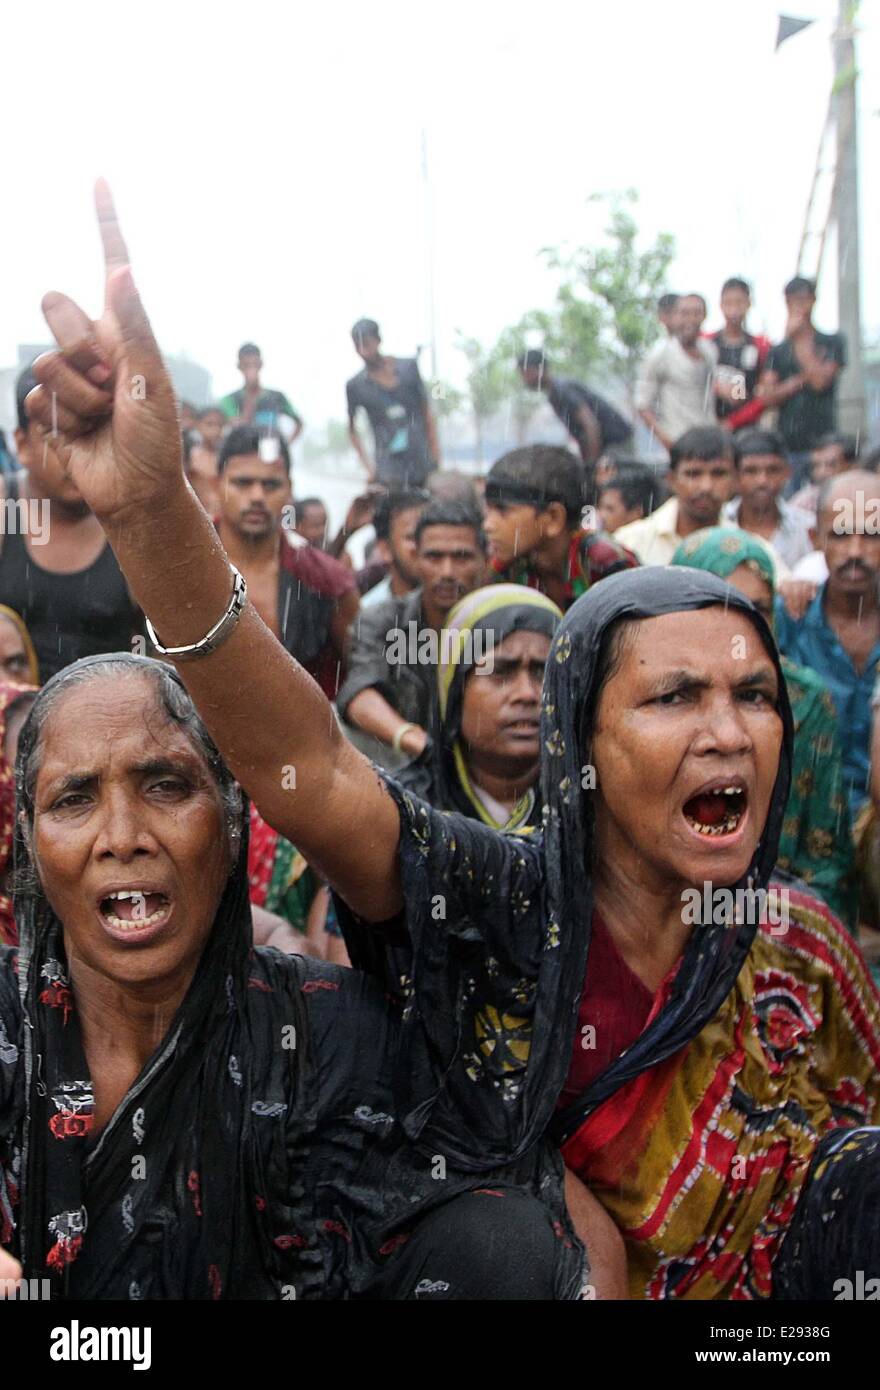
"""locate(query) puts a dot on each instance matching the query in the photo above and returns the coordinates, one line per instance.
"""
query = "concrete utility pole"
(851, 398)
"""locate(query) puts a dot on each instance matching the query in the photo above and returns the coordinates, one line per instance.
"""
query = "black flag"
(789, 26)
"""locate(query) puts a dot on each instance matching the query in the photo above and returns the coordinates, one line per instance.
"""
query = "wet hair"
(532, 357)
(247, 439)
(667, 302)
(800, 285)
(249, 350)
(547, 472)
(638, 486)
(389, 506)
(453, 486)
(703, 442)
(300, 505)
(735, 283)
(173, 701)
(25, 383)
(365, 328)
(445, 511)
(749, 442)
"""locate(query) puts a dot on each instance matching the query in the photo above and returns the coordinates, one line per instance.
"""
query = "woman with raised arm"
(712, 1069)
(180, 1116)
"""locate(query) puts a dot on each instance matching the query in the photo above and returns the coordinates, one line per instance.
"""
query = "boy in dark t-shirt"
(800, 379)
(391, 391)
(257, 405)
(741, 358)
(593, 424)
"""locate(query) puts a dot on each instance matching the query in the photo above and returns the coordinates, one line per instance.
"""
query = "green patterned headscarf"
(722, 549)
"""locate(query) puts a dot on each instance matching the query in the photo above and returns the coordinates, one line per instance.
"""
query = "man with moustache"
(303, 595)
(839, 634)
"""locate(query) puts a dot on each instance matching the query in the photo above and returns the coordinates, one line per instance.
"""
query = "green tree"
(487, 382)
(606, 301)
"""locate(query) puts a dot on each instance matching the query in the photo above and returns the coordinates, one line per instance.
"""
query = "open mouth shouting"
(718, 810)
(134, 914)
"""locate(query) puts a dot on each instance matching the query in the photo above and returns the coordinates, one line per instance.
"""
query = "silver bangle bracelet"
(218, 633)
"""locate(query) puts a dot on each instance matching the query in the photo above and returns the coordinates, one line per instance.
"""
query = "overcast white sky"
(266, 160)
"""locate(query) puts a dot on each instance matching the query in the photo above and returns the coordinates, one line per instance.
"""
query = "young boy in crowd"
(631, 493)
(535, 519)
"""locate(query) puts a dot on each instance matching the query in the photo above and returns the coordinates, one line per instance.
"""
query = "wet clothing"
(408, 686)
(677, 386)
(481, 622)
(791, 539)
(274, 1161)
(806, 417)
(269, 407)
(756, 1045)
(567, 397)
(591, 556)
(397, 419)
(701, 1160)
(740, 364)
(310, 585)
(67, 615)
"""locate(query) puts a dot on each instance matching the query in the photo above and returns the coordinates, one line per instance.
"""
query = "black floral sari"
(258, 1154)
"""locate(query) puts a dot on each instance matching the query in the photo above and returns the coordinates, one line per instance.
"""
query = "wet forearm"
(273, 725)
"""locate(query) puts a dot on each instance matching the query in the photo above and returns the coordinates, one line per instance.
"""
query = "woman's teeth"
(139, 916)
(712, 803)
(724, 828)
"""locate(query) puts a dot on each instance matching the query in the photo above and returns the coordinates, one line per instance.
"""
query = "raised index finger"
(115, 249)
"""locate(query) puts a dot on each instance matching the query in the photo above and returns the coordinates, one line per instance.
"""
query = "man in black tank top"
(56, 569)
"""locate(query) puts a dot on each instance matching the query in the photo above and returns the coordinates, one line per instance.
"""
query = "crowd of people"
(356, 900)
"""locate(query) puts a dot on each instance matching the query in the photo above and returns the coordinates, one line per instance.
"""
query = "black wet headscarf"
(714, 954)
(207, 1105)
(480, 622)
(493, 960)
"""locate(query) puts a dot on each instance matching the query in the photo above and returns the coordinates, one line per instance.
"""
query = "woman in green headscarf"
(483, 756)
(816, 843)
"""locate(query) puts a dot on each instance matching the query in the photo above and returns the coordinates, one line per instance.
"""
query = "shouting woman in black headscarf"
(704, 1111)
